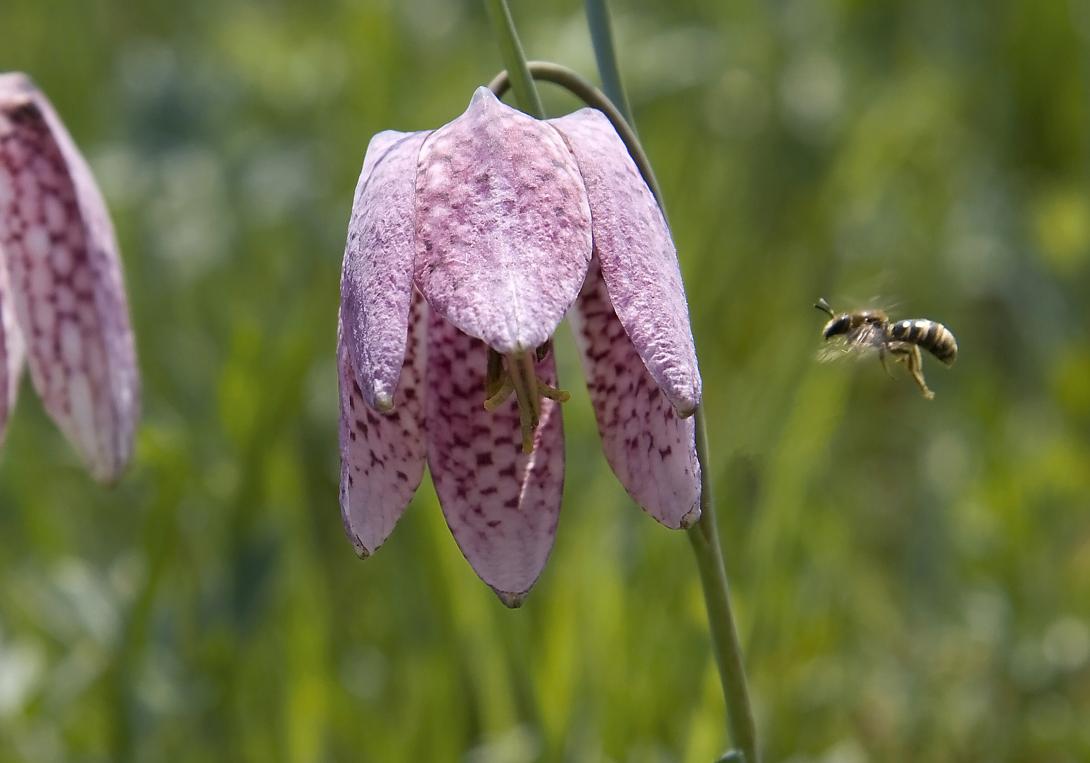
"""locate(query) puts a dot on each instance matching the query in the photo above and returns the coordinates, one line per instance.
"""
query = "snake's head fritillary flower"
(62, 301)
(466, 248)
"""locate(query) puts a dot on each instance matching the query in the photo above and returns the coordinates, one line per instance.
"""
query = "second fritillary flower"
(63, 309)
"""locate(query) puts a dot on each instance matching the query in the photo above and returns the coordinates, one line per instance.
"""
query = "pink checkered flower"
(466, 248)
(62, 301)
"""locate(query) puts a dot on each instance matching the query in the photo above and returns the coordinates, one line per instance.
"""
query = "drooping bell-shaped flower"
(466, 247)
(62, 299)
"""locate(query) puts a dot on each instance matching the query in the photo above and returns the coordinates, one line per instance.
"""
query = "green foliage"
(912, 579)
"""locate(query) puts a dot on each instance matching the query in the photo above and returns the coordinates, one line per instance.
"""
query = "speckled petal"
(501, 504)
(637, 255)
(382, 454)
(11, 347)
(502, 225)
(66, 281)
(377, 272)
(651, 449)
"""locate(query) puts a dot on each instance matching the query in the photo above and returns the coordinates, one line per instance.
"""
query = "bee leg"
(915, 367)
(882, 357)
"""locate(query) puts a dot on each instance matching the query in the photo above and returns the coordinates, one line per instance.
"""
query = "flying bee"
(872, 330)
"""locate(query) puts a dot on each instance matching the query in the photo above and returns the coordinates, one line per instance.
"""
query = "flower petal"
(651, 449)
(501, 504)
(502, 225)
(637, 255)
(66, 281)
(377, 272)
(11, 346)
(382, 454)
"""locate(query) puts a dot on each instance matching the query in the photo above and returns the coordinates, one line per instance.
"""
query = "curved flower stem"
(547, 71)
(514, 59)
(704, 535)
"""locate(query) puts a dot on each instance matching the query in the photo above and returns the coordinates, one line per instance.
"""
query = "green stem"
(514, 59)
(601, 36)
(703, 536)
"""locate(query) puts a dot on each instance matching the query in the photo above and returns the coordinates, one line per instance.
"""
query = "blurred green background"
(912, 579)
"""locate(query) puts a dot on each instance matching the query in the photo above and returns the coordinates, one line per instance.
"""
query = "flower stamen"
(553, 393)
(516, 373)
(494, 380)
(497, 398)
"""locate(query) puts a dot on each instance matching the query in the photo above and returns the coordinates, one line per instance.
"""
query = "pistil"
(516, 373)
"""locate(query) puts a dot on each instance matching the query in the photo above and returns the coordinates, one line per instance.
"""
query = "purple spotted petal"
(651, 449)
(382, 454)
(377, 273)
(637, 255)
(501, 504)
(502, 225)
(11, 347)
(66, 281)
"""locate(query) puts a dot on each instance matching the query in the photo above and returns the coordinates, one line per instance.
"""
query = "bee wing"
(863, 342)
(834, 351)
(888, 304)
(837, 351)
(881, 300)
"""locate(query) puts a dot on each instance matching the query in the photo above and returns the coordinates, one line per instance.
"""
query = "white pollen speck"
(36, 242)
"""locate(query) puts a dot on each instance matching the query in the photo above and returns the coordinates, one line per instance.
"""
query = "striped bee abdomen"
(931, 335)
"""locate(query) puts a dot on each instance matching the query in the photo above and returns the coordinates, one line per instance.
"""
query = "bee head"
(839, 324)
